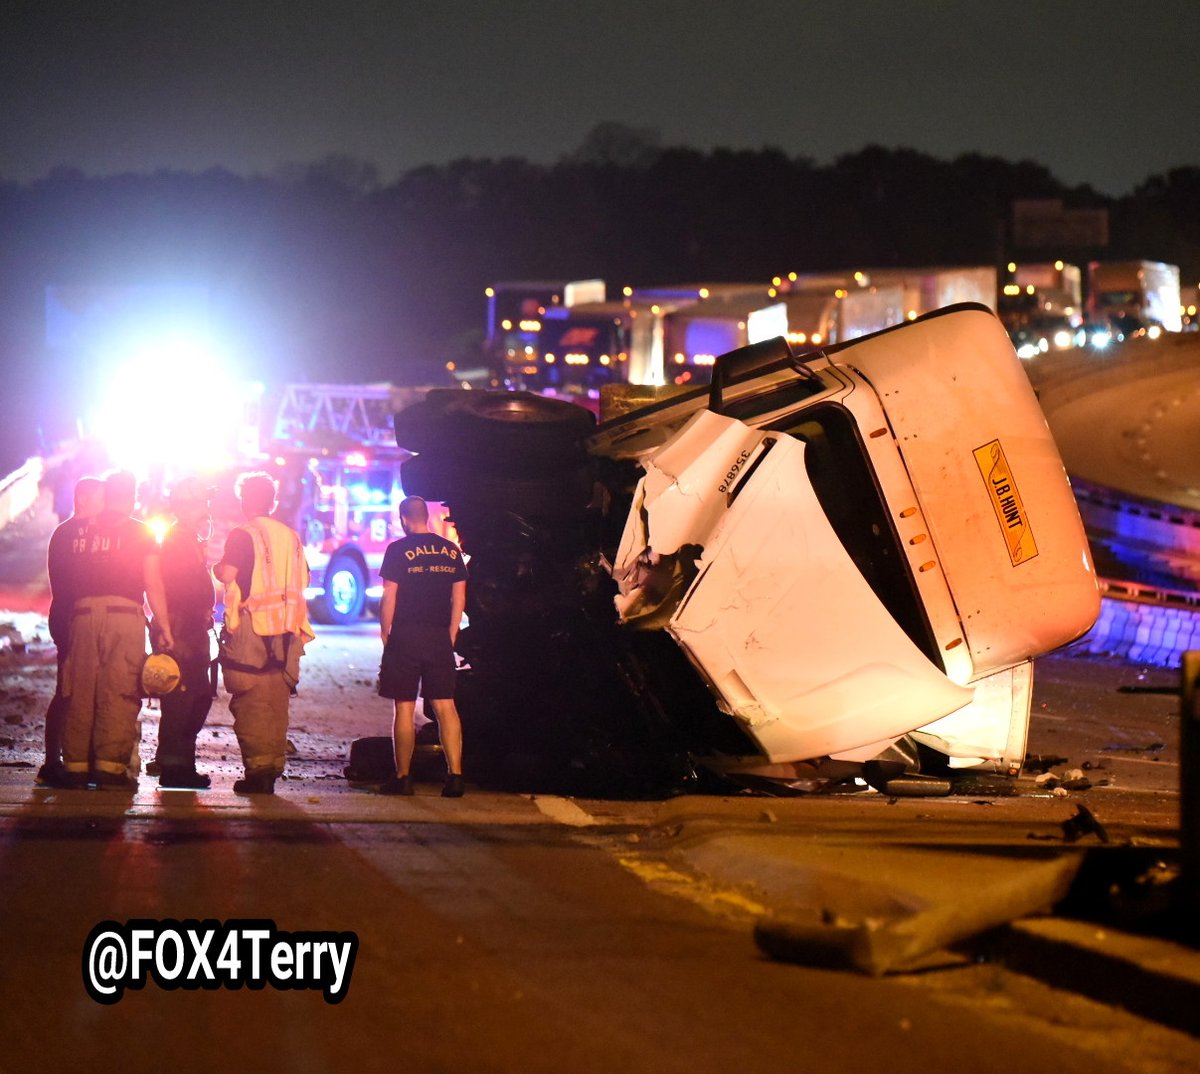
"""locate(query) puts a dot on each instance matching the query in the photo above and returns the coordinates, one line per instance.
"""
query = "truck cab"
(880, 536)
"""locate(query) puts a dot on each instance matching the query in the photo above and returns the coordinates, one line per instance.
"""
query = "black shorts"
(417, 656)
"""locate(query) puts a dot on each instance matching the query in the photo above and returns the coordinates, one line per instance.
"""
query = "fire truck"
(333, 451)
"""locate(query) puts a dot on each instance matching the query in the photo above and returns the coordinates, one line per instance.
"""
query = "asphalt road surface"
(483, 946)
(1128, 420)
(505, 932)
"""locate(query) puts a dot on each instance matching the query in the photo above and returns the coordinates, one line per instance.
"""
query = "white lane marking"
(563, 810)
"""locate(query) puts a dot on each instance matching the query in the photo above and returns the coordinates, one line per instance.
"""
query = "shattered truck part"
(877, 946)
(747, 620)
(834, 557)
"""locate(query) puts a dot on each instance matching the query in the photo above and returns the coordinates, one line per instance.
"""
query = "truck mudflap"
(992, 730)
(776, 617)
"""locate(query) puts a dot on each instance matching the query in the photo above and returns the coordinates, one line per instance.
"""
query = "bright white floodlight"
(171, 406)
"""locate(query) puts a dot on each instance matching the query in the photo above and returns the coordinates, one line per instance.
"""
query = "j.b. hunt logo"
(1006, 502)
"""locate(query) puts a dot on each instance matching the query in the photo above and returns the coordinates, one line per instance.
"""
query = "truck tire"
(345, 594)
(519, 426)
(555, 489)
(431, 477)
(423, 426)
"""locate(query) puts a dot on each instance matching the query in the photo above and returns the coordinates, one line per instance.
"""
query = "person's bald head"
(414, 514)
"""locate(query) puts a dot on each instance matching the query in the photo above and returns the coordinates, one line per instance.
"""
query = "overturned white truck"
(828, 565)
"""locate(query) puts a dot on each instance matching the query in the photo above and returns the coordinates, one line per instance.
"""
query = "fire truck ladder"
(361, 413)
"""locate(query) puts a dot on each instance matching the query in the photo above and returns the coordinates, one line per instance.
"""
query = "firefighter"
(424, 595)
(189, 587)
(119, 572)
(266, 628)
(68, 543)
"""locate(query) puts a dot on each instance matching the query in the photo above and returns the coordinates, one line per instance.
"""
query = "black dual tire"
(517, 426)
(498, 451)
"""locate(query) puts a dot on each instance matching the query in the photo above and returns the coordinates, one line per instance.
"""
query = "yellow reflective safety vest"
(275, 602)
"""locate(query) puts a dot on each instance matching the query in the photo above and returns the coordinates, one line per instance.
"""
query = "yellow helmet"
(160, 675)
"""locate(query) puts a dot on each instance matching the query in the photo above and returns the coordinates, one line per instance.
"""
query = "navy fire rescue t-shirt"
(425, 567)
(114, 563)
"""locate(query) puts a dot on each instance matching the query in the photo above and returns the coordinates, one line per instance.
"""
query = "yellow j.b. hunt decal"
(1006, 502)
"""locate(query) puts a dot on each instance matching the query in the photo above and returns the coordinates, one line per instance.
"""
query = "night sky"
(1103, 92)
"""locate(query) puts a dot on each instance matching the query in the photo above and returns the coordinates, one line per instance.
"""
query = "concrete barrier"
(1144, 626)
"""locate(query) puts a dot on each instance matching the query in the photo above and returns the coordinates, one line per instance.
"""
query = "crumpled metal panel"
(778, 620)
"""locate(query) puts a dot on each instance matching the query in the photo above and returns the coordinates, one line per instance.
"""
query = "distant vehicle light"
(1101, 339)
(1043, 344)
(1154, 331)
(1028, 350)
(1063, 339)
(704, 359)
(531, 326)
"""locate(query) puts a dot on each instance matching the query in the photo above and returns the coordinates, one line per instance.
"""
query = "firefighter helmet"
(160, 675)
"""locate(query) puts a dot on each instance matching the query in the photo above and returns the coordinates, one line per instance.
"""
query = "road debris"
(876, 946)
(1083, 823)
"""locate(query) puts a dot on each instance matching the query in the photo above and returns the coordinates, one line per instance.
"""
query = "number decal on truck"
(1006, 502)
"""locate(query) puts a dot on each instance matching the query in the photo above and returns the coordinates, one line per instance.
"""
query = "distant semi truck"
(826, 309)
(1135, 295)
